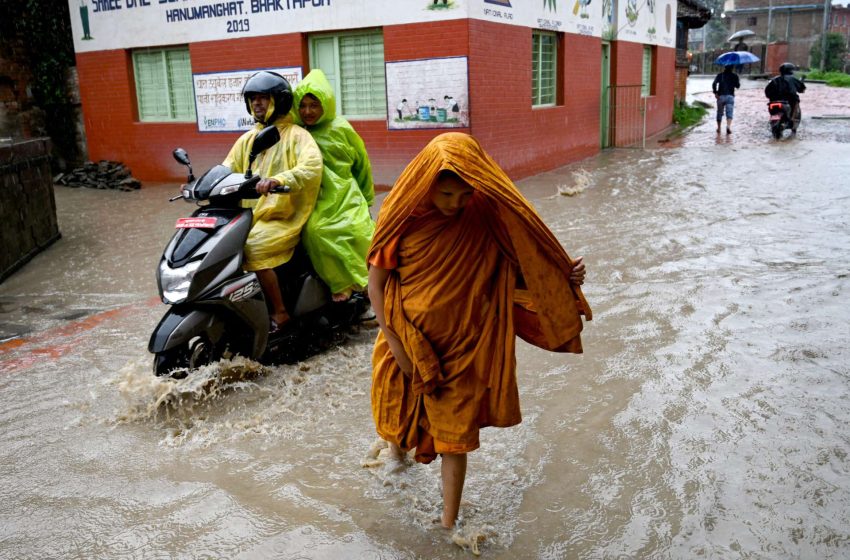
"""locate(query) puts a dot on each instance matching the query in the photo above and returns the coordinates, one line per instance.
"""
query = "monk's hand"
(264, 186)
(578, 273)
(404, 362)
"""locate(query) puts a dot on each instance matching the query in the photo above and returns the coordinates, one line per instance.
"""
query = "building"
(785, 29)
(691, 15)
(540, 84)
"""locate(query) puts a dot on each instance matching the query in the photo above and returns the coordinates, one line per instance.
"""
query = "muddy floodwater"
(707, 418)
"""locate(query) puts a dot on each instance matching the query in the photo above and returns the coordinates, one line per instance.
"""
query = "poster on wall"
(218, 98)
(428, 93)
(581, 17)
(647, 21)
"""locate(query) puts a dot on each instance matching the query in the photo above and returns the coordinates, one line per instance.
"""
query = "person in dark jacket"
(786, 87)
(724, 86)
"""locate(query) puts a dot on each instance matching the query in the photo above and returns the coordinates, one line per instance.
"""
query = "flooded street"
(708, 417)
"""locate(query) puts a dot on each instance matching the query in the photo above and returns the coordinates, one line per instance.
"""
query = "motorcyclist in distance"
(786, 87)
(295, 162)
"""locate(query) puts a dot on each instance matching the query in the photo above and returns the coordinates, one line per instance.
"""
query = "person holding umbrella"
(724, 86)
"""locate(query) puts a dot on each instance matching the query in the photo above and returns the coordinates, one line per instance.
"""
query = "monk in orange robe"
(459, 265)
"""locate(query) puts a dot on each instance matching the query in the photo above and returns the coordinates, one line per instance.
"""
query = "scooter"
(780, 117)
(217, 309)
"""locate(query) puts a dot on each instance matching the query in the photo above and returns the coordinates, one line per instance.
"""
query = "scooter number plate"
(774, 118)
(203, 223)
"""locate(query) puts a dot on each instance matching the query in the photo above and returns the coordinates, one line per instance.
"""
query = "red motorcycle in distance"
(780, 118)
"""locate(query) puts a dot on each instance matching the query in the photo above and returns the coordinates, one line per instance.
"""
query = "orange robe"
(460, 289)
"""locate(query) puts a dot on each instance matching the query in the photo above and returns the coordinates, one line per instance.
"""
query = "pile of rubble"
(101, 175)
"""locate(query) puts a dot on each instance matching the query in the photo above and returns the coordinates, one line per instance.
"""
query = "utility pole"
(823, 35)
(769, 20)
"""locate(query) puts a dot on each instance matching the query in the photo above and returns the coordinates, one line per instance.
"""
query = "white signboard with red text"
(218, 98)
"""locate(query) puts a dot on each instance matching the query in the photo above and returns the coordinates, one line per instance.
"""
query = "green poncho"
(339, 231)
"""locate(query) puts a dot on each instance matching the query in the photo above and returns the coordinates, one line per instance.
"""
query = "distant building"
(540, 84)
(791, 27)
(690, 15)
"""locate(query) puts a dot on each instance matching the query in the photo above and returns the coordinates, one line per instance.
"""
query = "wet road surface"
(707, 418)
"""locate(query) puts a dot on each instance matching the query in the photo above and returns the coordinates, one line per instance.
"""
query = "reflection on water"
(707, 417)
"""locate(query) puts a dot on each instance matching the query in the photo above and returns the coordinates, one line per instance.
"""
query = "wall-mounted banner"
(428, 93)
(647, 21)
(581, 17)
(650, 22)
(218, 98)
(123, 24)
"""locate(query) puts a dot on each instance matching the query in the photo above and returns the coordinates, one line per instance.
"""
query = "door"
(605, 97)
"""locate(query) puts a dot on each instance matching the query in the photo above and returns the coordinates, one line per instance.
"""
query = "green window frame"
(544, 68)
(164, 87)
(354, 65)
(646, 73)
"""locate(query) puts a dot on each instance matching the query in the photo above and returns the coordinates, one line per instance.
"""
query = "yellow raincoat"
(461, 288)
(296, 162)
(339, 231)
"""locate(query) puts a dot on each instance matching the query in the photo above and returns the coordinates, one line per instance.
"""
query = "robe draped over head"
(461, 288)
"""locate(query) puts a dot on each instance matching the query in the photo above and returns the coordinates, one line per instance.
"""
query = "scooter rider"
(295, 162)
(786, 87)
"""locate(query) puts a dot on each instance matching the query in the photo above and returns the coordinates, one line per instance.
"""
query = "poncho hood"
(317, 84)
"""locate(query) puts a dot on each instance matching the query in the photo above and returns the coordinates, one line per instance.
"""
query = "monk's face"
(450, 194)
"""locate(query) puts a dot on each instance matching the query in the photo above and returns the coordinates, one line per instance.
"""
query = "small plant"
(688, 115)
(834, 79)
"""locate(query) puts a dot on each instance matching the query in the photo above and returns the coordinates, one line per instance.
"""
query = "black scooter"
(780, 118)
(217, 309)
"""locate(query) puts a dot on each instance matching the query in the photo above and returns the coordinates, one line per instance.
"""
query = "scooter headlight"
(175, 282)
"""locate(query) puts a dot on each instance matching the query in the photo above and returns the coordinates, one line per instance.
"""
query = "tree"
(44, 29)
(836, 51)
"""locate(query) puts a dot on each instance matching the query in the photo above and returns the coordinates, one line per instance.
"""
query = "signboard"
(428, 93)
(650, 22)
(218, 98)
(124, 24)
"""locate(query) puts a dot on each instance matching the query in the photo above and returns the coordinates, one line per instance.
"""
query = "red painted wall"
(523, 140)
(109, 107)
(627, 70)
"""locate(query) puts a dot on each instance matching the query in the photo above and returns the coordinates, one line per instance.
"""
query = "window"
(752, 21)
(544, 68)
(164, 89)
(646, 73)
(354, 65)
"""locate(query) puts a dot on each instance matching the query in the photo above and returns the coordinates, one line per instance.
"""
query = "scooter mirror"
(264, 140)
(181, 156)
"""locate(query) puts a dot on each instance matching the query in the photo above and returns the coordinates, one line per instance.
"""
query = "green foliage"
(43, 29)
(717, 28)
(688, 115)
(836, 50)
(834, 79)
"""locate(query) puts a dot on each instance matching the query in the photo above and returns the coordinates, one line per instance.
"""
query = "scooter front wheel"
(177, 362)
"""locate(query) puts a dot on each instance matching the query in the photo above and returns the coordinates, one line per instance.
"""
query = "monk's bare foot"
(372, 458)
(447, 521)
(397, 460)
